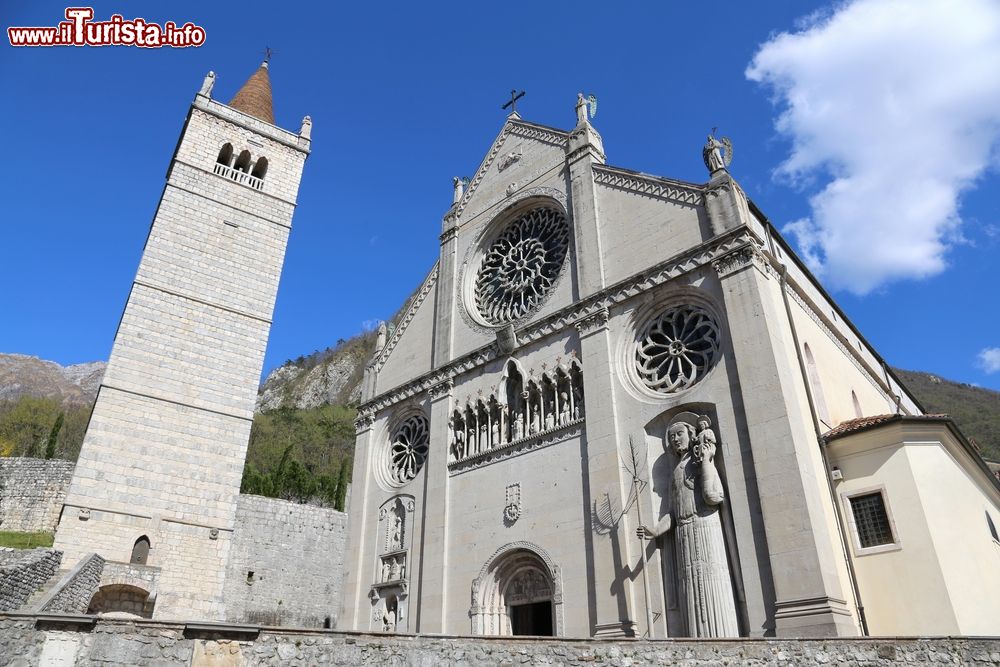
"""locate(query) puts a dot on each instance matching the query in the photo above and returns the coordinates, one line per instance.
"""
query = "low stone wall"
(24, 571)
(296, 556)
(32, 492)
(26, 641)
(73, 593)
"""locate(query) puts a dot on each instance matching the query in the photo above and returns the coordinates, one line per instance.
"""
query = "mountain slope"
(23, 375)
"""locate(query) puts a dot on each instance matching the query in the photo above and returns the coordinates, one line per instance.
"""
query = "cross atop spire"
(254, 98)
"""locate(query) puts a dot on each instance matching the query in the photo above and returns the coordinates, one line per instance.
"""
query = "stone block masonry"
(31, 641)
(32, 492)
(73, 593)
(286, 563)
(22, 572)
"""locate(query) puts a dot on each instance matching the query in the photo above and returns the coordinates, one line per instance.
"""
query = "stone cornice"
(651, 186)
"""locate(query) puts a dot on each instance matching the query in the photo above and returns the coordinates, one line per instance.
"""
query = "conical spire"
(254, 97)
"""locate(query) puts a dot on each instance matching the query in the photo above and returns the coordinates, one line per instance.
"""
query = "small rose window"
(408, 450)
(676, 348)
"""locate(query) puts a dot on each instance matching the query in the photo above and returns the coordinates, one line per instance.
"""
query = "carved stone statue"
(550, 417)
(396, 535)
(458, 448)
(305, 131)
(518, 427)
(495, 435)
(582, 104)
(381, 337)
(385, 570)
(484, 437)
(713, 154)
(536, 423)
(459, 189)
(389, 620)
(704, 588)
(563, 408)
(207, 85)
(394, 570)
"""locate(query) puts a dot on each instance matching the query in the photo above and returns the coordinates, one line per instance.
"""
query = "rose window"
(408, 450)
(520, 266)
(676, 348)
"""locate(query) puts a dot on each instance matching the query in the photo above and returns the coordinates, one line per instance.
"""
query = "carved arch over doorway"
(518, 572)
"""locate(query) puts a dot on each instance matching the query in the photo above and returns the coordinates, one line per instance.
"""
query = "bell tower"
(164, 451)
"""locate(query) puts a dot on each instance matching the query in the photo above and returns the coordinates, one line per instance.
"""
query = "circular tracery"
(676, 348)
(408, 450)
(521, 265)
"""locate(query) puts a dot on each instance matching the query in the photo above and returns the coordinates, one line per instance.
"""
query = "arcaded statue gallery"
(619, 405)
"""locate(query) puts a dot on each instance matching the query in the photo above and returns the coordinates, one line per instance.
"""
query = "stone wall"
(296, 555)
(72, 594)
(22, 572)
(32, 492)
(29, 641)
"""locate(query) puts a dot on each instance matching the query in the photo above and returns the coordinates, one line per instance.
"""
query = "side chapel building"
(588, 331)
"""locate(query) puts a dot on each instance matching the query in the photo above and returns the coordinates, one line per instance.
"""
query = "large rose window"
(676, 348)
(520, 267)
(408, 450)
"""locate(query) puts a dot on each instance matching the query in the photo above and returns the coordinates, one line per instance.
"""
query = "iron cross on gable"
(514, 97)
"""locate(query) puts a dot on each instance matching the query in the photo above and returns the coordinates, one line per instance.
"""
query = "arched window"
(260, 168)
(140, 551)
(816, 387)
(226, 155)
(857, 405)
(243, 162)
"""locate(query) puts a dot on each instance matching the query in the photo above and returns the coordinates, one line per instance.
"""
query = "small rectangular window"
(871, 520)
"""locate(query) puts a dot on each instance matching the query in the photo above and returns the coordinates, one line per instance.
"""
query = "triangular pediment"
(518, 153)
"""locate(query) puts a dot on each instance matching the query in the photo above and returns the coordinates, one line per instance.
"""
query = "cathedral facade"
(619, 405)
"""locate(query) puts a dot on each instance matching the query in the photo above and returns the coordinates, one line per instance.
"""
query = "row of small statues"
(393, 569)
(498, 428)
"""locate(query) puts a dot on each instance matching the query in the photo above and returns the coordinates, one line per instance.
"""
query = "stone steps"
(42, 592)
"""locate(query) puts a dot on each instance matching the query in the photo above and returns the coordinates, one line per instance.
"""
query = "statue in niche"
(577, 402)
(550, 417)
(495, 441)
(458, 446)
(518, 427)
(536, 423)
(695, 493)
(385, 570)
(394, 570)
(563, 408)
(396, 533)
(484, 437)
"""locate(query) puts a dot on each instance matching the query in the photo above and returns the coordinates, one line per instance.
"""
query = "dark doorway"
(532, 619)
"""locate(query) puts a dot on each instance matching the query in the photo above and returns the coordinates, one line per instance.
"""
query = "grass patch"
(25, 540)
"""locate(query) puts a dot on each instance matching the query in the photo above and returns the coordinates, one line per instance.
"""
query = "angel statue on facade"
(694, 496)
(717, 154)
(583, 105)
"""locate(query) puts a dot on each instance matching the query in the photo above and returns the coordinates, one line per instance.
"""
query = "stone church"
(617, 406)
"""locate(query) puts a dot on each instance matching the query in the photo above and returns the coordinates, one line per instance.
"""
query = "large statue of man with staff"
(695, 493)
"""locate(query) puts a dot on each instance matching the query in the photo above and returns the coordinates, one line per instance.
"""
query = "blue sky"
(867, 130)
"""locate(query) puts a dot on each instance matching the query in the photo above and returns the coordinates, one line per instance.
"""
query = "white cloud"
(892, 108)
(989, 359)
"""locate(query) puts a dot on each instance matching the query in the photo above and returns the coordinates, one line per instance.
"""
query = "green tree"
(343, 479)
(50, 446)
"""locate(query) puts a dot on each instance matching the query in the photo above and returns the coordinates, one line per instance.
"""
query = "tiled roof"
(864, 423)
(254, 97)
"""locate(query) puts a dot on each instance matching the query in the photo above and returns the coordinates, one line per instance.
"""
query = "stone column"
(433, 583)
(583, 151)
(610, 553)
(810, 592)
(355, 606)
